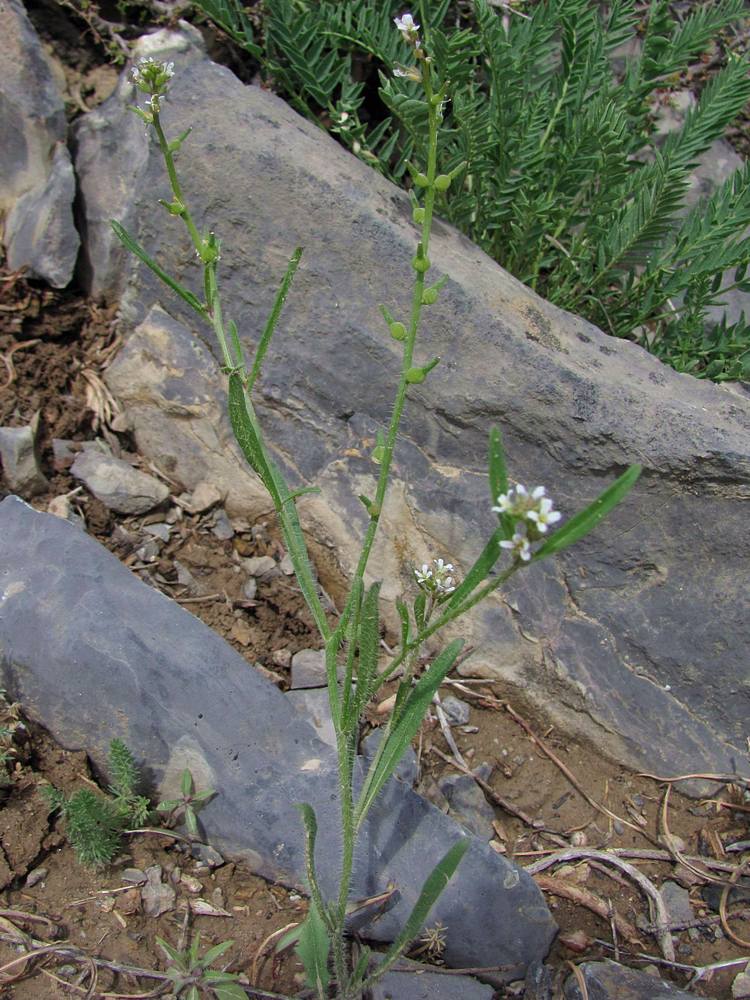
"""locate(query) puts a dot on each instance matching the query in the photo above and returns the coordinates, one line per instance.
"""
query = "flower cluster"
(152, 77)
(436, 580)
(410, 34)
(533, 512)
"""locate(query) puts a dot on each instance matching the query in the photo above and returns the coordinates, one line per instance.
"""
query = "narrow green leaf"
(169, 951)
(583, 522)
(420, 603)
(186, 782)
(228, 991)
(498, 473)
(312, 948)
(268, 330)
(248, 434)
(403, 613)
(286, 940)
(216, 952)
(130, 244)
(436, 881)
(393, 746)
(480, 570)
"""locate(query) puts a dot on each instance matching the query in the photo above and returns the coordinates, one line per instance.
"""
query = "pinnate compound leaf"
(587, 519)
(134, 247)
(393, 747)
(312, 948)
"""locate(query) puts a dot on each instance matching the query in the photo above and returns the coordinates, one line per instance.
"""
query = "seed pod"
(420, 264)
(442, 182)
(418, 215)
(398, 331)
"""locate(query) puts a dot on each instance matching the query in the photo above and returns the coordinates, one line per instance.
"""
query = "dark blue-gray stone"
(93, 653)
(610, 981)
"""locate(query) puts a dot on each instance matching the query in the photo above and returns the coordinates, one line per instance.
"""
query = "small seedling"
(189, 803)
(96, 822)
(192, 976)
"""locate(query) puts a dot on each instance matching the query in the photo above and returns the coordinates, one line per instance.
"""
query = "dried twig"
(669, 842)
(583, 897)
(723, 907)
(8, 359)
(580, 980)
(644, 884)
(446, 730)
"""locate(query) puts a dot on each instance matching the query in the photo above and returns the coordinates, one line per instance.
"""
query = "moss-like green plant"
(95, 822)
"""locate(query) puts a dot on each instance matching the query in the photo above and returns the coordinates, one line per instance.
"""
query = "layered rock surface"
(93, 653)
(637, 635)
(37, 185)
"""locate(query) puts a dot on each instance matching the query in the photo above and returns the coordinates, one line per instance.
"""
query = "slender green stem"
(175, 183)
(409, 342)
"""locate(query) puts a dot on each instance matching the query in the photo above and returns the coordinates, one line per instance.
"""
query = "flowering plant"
(522, 535)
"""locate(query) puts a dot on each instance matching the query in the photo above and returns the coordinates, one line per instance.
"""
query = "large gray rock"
(117, 484)
(94, 653)
(637, 636)
(37, 186)
(610, 981)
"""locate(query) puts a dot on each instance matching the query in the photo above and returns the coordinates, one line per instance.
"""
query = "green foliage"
(187, 805)
(559, 175)
(192, 976)
(95, 822)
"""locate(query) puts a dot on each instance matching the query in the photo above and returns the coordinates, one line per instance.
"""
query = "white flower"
(518, 544)
(436, 579)
(544, 515)
(151, 76)
(406, 26)
(408, 72)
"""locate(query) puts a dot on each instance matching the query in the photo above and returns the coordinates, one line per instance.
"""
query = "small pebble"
(222, 528)
(204, 497)
(287, 566)
(260, 565)
(134, 875)
(250, 589)
(35, 877)
(161, 531)
(456, 711)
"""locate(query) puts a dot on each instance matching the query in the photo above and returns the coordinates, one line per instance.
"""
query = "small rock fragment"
(20, 458)
(157, 896)
(186, 579)
(287, 566)
(222, 528)
(260, 566)
(160, 530)
(204, 497)
(35, 877)
(741, 987)
(207, 855)
(63, 455)
(129, 902)
(133, 875)
(282, 658)
(677, 901)
(118, 485)
(456, 711)
(191, 883)
(241, 632)
(250, 589)
(309, 669)
(203, 908)
(467, 804)
(62, 507)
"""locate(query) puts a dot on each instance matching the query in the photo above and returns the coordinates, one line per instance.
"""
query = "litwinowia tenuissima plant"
(525, 534)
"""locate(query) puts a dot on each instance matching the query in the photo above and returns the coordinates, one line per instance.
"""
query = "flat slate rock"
(92, 653)
(117, 484)
(427, 985)
(621, 626)
(610, 981)
(37, 185)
